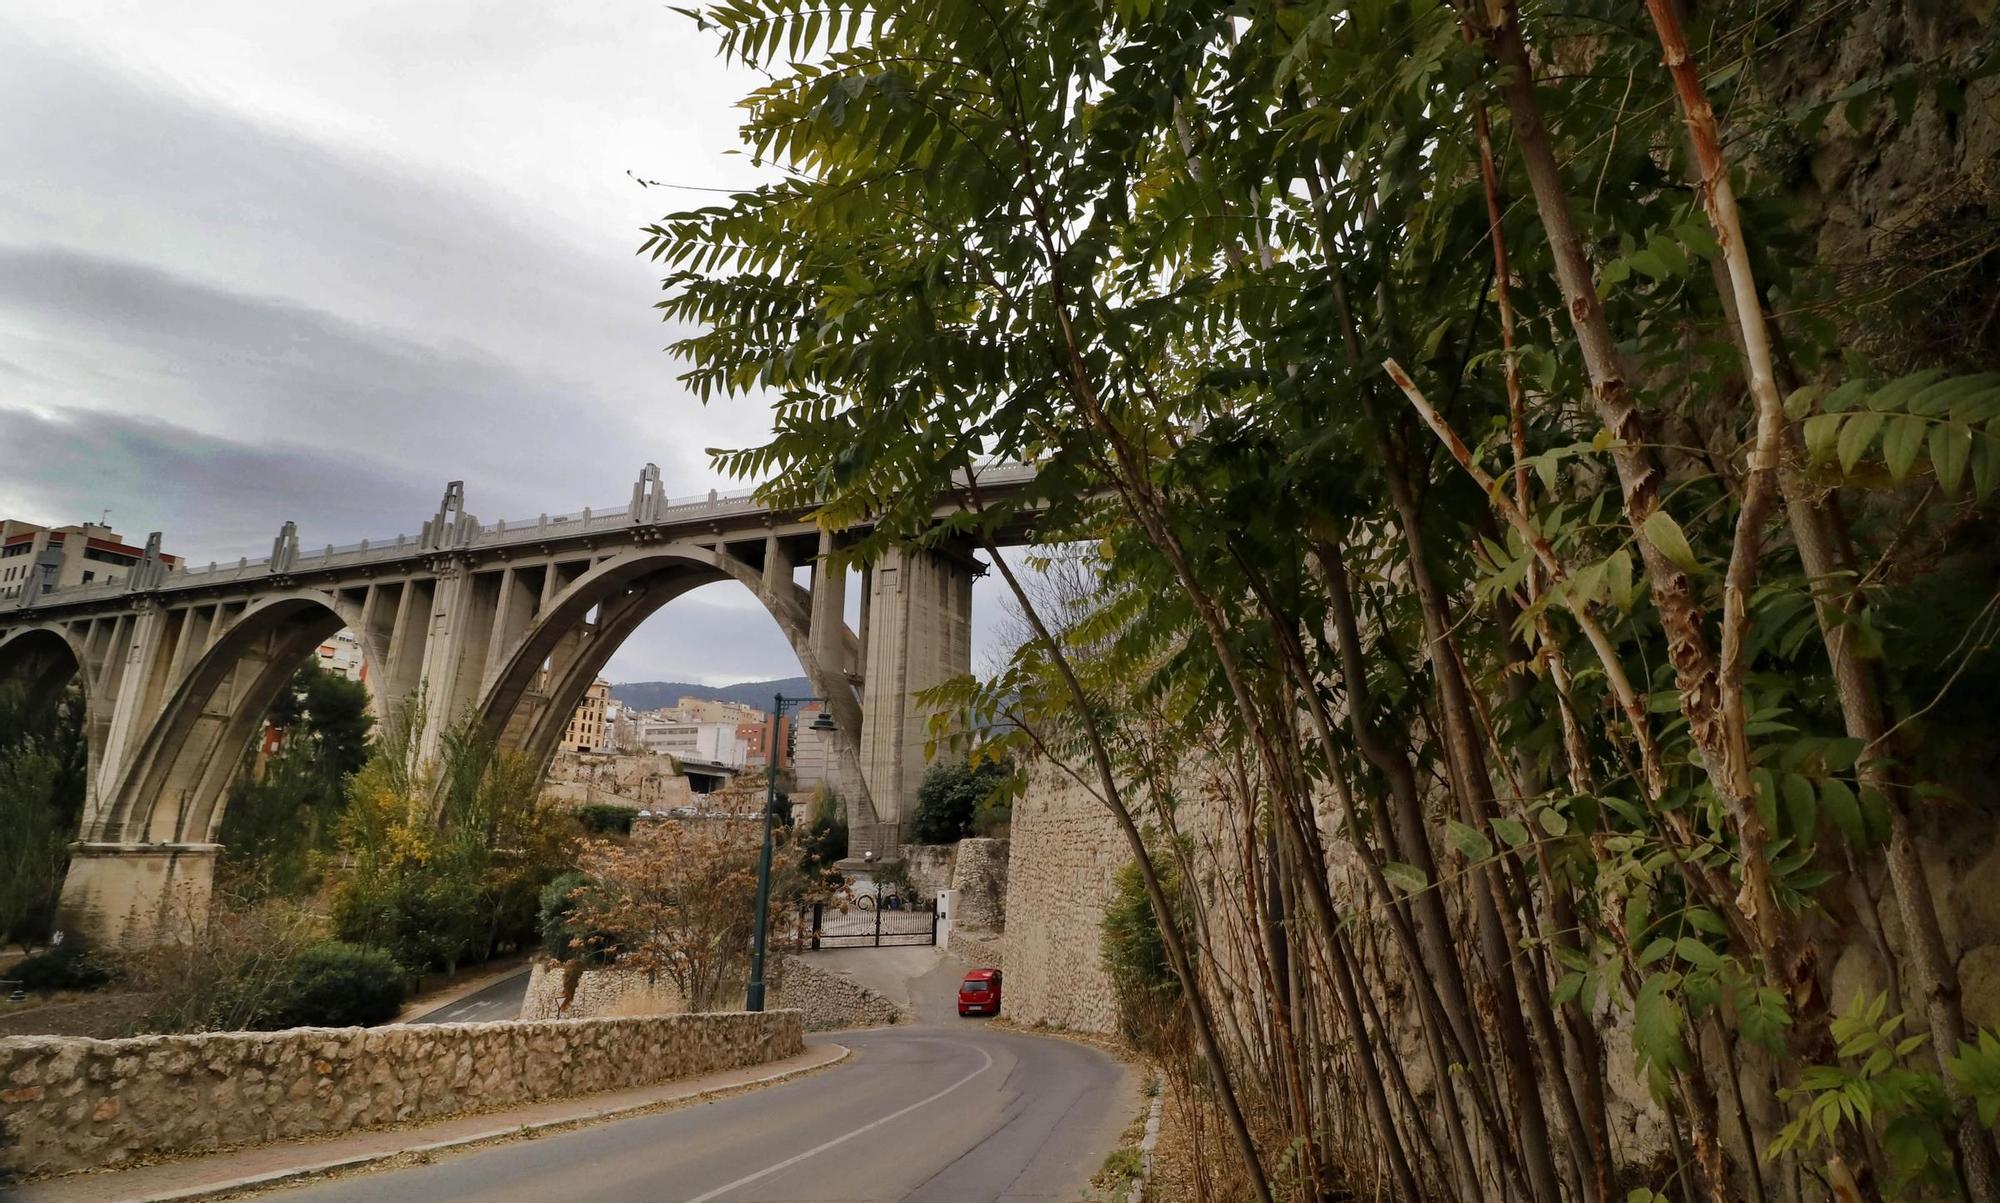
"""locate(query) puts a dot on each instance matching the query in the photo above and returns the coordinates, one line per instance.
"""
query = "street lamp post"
(753, 998)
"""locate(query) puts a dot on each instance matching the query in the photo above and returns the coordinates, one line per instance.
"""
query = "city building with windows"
(341, 655)
(666, 734)
(588, 728)
(59, 557)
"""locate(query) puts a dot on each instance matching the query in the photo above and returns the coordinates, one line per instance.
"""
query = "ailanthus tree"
(1499, 513)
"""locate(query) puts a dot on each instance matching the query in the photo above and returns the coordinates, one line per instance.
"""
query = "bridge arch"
(43, 661)
(530, 700)
(173, 791)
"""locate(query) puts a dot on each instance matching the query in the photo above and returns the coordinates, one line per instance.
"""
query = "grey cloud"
(118, 335)
(225, 301)
(130, 168)
(212, 498)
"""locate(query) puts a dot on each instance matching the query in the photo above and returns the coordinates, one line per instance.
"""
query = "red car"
(979, 993)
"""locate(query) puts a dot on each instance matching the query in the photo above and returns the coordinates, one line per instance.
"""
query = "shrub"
(604, 818)
(950, 799)
(556, 901)
(1134, 953)
(227, 971)
(68, 966)
(334, 984)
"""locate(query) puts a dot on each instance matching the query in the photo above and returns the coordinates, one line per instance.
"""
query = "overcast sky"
(265, 260)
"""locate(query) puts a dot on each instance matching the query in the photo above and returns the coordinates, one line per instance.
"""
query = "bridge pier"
(136, 894)
(918, 634)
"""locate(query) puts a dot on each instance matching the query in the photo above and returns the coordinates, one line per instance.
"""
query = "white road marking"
(815, 1151)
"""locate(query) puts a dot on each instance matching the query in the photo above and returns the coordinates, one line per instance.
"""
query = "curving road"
(960, 1113)
(500, 1001)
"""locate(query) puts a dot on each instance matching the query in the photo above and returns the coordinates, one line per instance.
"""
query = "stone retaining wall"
(1064, 850)
(599, 994)
(829, 999)
(826, 998)
(978, 949)
(979, 874)
(69, 1103)
(929, 866)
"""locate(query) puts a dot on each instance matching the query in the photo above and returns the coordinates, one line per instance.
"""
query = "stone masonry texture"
(1065, 847)
(69, 1103)
(825, 998)
(979, 874)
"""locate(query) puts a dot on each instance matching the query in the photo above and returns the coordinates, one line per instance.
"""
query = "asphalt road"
(501, 1000)
(950, 1113)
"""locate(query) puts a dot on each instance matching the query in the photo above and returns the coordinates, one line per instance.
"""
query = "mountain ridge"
(652, 695)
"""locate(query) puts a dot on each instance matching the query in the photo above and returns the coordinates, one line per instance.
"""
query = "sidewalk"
(209, 1175)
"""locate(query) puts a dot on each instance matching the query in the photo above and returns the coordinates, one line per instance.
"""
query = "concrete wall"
(69, 1103)
(1064, 850)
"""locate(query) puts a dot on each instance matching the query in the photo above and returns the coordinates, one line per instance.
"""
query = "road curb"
(1146, 1145)
(216, 1190)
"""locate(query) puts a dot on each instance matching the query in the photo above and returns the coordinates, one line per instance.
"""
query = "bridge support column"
(919, 635)
(136, 894)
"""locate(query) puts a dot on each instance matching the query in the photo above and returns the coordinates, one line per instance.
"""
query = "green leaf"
(1669, 253)
(1618, 578)
(1694, 952)
(1839, 804)
(1407, 877)
(1850, 392)
(1800, 404)
(1821, 431)
(1470, 842)
(1951, 445)
(1656, 1024)
(1901, 439)
(1801, 808)
(1511, 831)
(1985, 466)
(1664, 533)
(1857, 434)
(1704, 920)
(1648, 261)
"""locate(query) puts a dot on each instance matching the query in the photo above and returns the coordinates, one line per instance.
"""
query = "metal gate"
(872, 922)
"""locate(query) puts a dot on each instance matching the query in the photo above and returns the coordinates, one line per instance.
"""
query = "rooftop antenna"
(104, 518)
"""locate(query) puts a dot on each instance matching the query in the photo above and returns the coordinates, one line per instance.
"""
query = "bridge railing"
(587, 521)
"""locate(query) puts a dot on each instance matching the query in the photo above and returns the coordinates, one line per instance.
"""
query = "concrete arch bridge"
(509, 621)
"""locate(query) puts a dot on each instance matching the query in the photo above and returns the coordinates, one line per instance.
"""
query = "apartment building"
(63, 556)
(588, 728)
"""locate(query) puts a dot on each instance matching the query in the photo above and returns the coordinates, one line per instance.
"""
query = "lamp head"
(823, 721)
